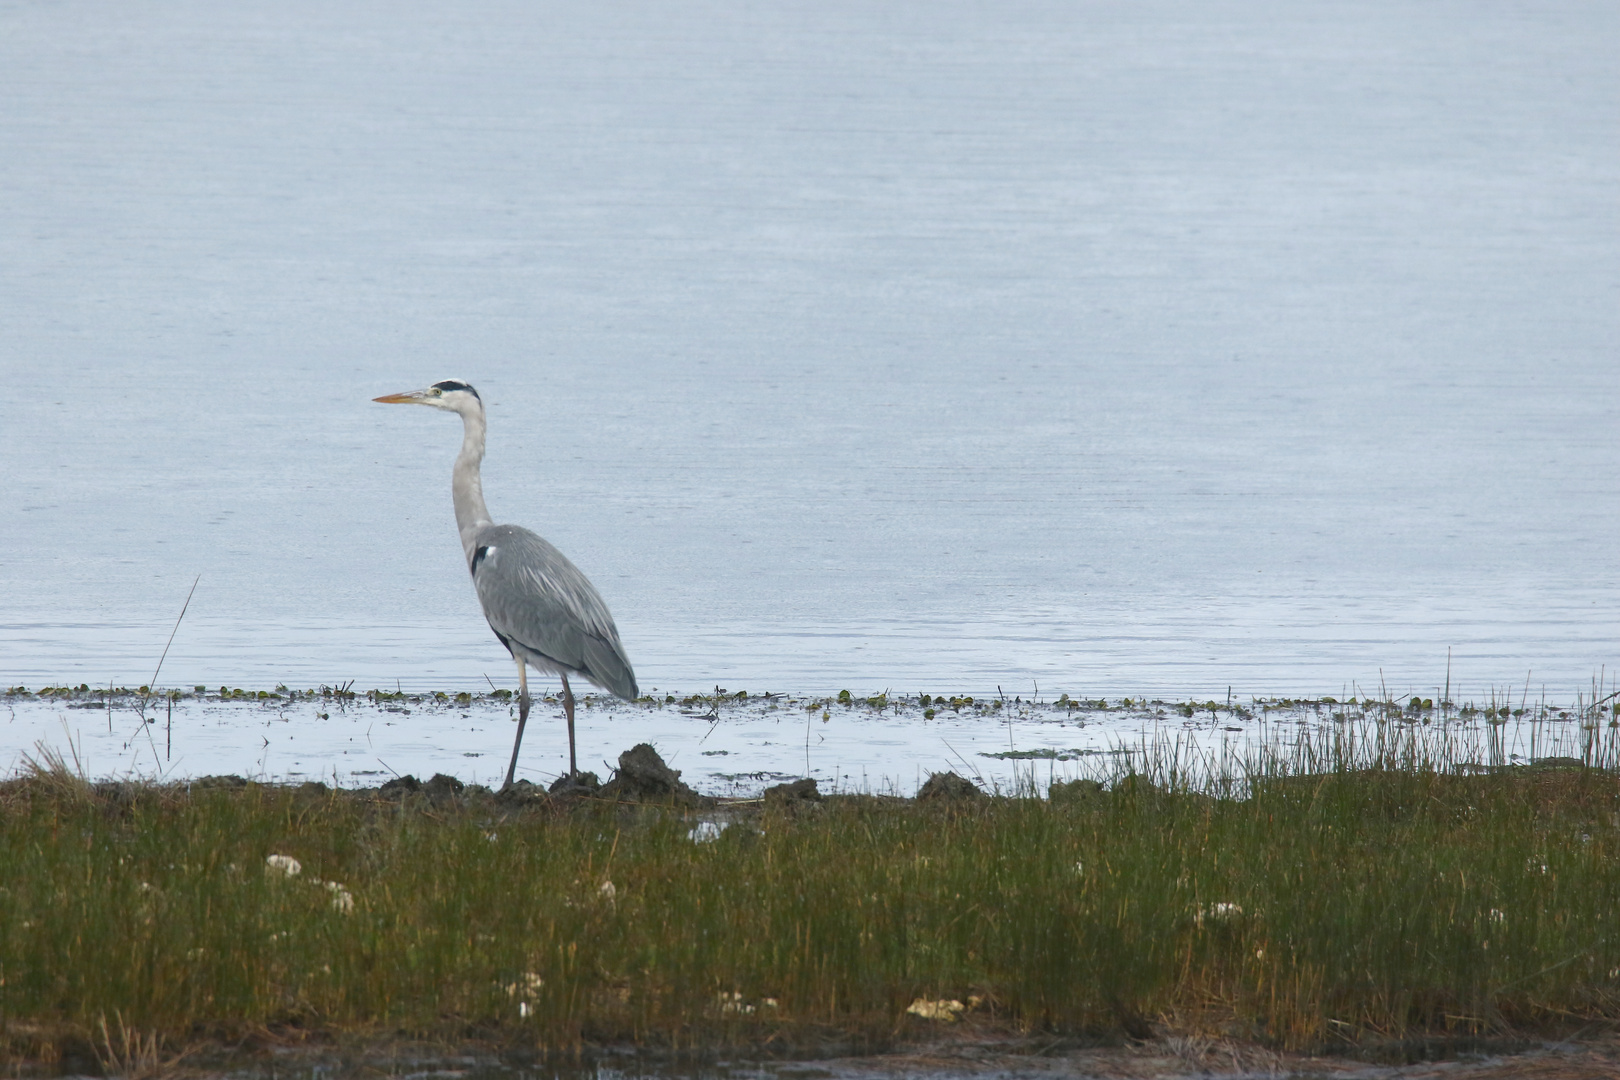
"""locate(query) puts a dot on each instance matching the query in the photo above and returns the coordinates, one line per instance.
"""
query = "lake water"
(1108, 348)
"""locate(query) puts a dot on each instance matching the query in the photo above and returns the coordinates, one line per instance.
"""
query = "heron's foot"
(576, 784)
(521, 793)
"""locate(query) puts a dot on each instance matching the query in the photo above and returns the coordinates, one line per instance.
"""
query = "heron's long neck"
(466, 487)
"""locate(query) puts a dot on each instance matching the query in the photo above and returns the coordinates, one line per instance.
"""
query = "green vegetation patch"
(1045, 753)
(1310, 911)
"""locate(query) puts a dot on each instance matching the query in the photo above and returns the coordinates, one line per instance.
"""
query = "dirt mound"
(1074, 791)
(642, 776)
(521, 794)
(794, 792)
(947, 787)
(580, 785)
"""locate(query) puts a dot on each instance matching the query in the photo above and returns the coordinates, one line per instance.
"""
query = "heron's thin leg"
(568, 708)
(523, 719)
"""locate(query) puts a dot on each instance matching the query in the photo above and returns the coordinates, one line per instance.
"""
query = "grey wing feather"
(536, 599)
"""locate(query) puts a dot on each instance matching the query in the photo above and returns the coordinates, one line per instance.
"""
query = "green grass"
(1349, 892)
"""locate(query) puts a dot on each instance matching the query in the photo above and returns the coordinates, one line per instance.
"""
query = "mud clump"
(443, 788)
(947, 787)
(580, 785)
(1074, 792)
(229, 783)
(521, 795)
(642, 776)
(401, 785)
(798, 794)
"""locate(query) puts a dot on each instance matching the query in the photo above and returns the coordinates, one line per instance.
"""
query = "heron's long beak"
(414, 397)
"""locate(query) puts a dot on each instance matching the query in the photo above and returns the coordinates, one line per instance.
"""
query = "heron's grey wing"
(535, 597)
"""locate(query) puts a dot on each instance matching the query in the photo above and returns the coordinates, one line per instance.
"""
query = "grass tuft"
(1358, 884)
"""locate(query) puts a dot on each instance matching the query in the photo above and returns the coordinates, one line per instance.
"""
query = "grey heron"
(541, 607)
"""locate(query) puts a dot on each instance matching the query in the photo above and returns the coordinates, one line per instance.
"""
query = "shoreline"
(736, 743)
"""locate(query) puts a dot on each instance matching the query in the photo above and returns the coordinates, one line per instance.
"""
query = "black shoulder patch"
(456, 384)
(478, 557)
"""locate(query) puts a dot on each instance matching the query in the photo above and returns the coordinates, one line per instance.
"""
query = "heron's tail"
(608, 667)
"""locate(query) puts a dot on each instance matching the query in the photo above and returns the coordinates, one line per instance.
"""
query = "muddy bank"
(967, 1052)
(734, 744)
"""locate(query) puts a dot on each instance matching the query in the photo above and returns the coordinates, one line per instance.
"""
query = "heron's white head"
(451, 394)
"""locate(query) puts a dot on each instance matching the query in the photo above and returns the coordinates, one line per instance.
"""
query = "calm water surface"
(1110, 348)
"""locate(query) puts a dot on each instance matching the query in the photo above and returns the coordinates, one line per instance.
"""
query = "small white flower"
(342, 898)
(285, 865)
(734, 1004)
(1221, 912)
(946, 1010)
(706, 832)
(529, 984)
(608, 891)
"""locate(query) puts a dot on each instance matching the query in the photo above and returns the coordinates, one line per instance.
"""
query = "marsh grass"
(1351, 885)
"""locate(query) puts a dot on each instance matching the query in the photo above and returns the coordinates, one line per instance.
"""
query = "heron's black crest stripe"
(478, 557)
(455, 384)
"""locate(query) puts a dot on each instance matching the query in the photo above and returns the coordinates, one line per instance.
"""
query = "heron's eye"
(437, 392)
